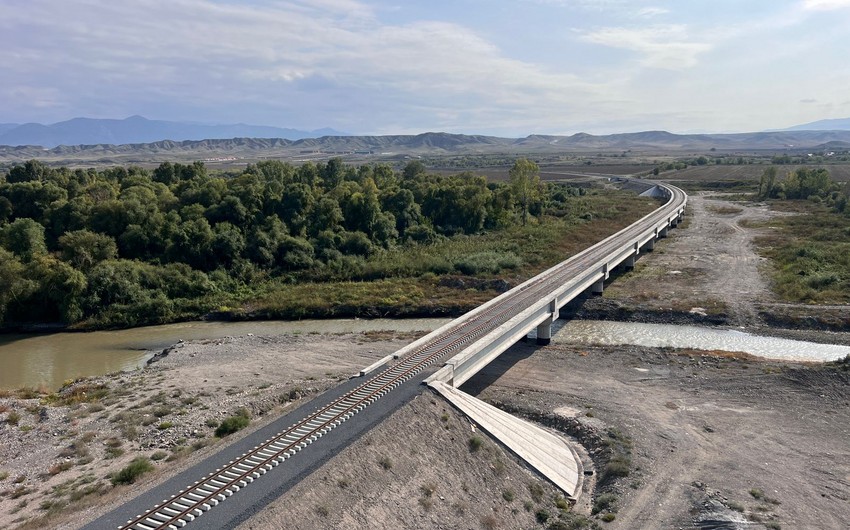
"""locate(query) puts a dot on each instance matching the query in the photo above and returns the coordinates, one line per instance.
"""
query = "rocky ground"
(675, 439)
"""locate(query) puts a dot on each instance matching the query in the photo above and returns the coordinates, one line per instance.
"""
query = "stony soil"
(59, 454)
(731, 440)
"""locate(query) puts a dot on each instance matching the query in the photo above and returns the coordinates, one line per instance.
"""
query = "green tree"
(83, 248)
(767, 183)
(413, 169)
(24, 238)
(524, 179)
(14, 283)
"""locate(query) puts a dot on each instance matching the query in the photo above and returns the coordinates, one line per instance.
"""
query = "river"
(613, 333)
(47, 360)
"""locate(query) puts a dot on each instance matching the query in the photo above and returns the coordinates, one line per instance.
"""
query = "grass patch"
(809, 253)
(604, 502)
(536, 491)
(620, 463)
(233, 423)
(135, 469)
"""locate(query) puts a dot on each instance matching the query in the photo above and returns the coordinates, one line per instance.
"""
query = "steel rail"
(206, 493)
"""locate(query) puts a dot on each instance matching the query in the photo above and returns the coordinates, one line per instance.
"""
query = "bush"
(604, 502)
(475, 443)
(232, 424)
(536, 491)
(13, 418)
(135, 469)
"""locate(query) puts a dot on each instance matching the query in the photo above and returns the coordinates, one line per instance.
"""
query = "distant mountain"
(430, 144)
(839, 124)
(138, 130)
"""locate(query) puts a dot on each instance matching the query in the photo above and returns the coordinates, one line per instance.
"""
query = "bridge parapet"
(621, 249)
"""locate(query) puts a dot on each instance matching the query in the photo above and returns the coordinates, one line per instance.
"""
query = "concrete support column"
(598, 287)
(544, 332)
(663, 232)
(650, 245)
(629, 263)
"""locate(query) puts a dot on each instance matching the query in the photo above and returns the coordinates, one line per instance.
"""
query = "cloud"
(665, 47)
(808, 100)
(293, 63)
(650, 12)
(826, 5)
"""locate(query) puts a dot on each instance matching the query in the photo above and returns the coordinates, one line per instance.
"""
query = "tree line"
(75, 243)
(814, 184)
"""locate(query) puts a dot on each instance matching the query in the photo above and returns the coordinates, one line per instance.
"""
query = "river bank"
(60, 454)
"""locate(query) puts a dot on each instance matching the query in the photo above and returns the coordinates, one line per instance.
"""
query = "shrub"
(135, 469)
(159, 455)
(562, 503)
(541, 516)
(13, 418)
(385, 462)
(536, 491)
(604, 502)
(232, 424)
(475, 443)
(508, 495)
(608, 517)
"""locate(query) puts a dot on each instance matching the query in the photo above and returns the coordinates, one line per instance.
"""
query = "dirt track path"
(711, 265)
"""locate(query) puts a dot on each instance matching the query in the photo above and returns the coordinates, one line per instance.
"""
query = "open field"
(750, 172)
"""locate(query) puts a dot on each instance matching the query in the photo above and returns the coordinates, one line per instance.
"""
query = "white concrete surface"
(545, 451)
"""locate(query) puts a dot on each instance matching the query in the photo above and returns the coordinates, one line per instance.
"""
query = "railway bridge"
(445, 358)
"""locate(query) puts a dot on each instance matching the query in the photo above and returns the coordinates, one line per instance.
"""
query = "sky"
(502, 67)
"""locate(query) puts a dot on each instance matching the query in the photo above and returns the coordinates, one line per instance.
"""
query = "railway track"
(205, 494)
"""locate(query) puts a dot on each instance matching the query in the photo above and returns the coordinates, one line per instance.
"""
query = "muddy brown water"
(48, 360)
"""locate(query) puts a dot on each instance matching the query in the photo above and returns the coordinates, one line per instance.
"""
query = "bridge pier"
(663, 232)
(650, 245)
(598, 287)
(544, 332)
(629, 262)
